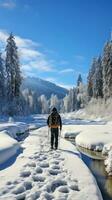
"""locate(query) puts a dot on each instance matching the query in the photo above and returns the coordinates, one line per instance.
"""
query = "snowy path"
(45, 175)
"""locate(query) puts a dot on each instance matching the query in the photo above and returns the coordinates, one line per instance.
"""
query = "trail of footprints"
(42, 178)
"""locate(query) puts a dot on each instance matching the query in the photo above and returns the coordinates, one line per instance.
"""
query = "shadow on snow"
(11, 160)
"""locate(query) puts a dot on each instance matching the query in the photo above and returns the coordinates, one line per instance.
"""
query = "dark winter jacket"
(59, 122)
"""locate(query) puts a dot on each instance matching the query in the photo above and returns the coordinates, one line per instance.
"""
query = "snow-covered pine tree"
(107, 70)
(18, 76)
(71, 99)
(79, 80)
(66, 104)
(13, 75)
(44, 104)
(54, 101)
(90, 79)
(2, 78)
(12, 69)
(74, 101)
(98, 79)
(79, 83)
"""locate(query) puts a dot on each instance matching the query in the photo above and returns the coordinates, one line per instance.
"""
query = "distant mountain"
(43, 87)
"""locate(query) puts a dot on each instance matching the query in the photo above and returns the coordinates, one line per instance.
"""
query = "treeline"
(99, 83)
(14, 101)
(74, 100)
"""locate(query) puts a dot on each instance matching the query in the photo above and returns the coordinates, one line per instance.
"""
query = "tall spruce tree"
(2, 77)
(12, 69)
(90, 79)
(107, 70)
(98, 79)
(79, 80)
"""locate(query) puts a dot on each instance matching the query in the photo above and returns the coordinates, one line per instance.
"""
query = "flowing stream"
(95, 162)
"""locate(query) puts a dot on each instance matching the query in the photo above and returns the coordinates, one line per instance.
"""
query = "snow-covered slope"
(43, 87)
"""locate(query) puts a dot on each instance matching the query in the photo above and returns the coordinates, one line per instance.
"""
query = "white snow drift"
(94, 137)
(8, 146)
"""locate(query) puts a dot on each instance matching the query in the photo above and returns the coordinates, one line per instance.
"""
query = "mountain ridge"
(41, 86)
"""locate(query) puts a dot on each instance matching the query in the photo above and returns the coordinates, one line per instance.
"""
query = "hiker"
(54, 123)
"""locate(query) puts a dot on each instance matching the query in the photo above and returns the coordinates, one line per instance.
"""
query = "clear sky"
(57, 39)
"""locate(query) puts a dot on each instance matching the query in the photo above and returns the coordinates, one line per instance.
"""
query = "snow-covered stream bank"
(22, 178)
(95, 162)
(95, 137)
(42, 174)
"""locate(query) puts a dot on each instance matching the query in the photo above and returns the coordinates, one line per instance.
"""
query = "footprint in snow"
(20, 196)
(56, 155)
(25, 173)
(56, 183)
(63, 189)
(39, 170)
(32, 164)
(55, 167)
(19, 189)
(36, 157)
(28, 185)
(33, 195)
(4, 191)
(55, 162)
(44, 157)
(74, 187)
(40, 159)
(46, 196)
(44, 164)
(37, 178)
(54, 172)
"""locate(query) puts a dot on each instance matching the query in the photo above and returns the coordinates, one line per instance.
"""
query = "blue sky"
(57, 39)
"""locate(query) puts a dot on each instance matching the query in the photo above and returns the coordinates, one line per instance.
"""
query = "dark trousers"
(54, 137)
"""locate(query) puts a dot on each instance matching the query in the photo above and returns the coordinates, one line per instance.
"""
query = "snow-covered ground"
(94, 137)
(42, 174)
(13, 128)
(8, 147)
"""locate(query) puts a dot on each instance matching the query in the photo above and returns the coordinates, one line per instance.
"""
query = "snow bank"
(14, 128)
(107, 151)
(8, 147)
(8, 133)
(107, 148)
(69, 131)
(94, 137)
(96, 108)
(108, 163)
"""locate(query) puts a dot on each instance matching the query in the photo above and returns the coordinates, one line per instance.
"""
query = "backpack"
(54, 120)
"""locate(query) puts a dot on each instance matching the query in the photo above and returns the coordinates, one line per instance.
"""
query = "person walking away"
(54, 123)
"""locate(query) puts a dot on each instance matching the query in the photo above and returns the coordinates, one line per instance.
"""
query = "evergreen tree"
(54, 101)
(44, 104)
(90, 79)
(2, 77)
(98, 79)
(79, 80)
(71, 100)
(74, 99)
(107, 70)
(66, 103)
(12, 69)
